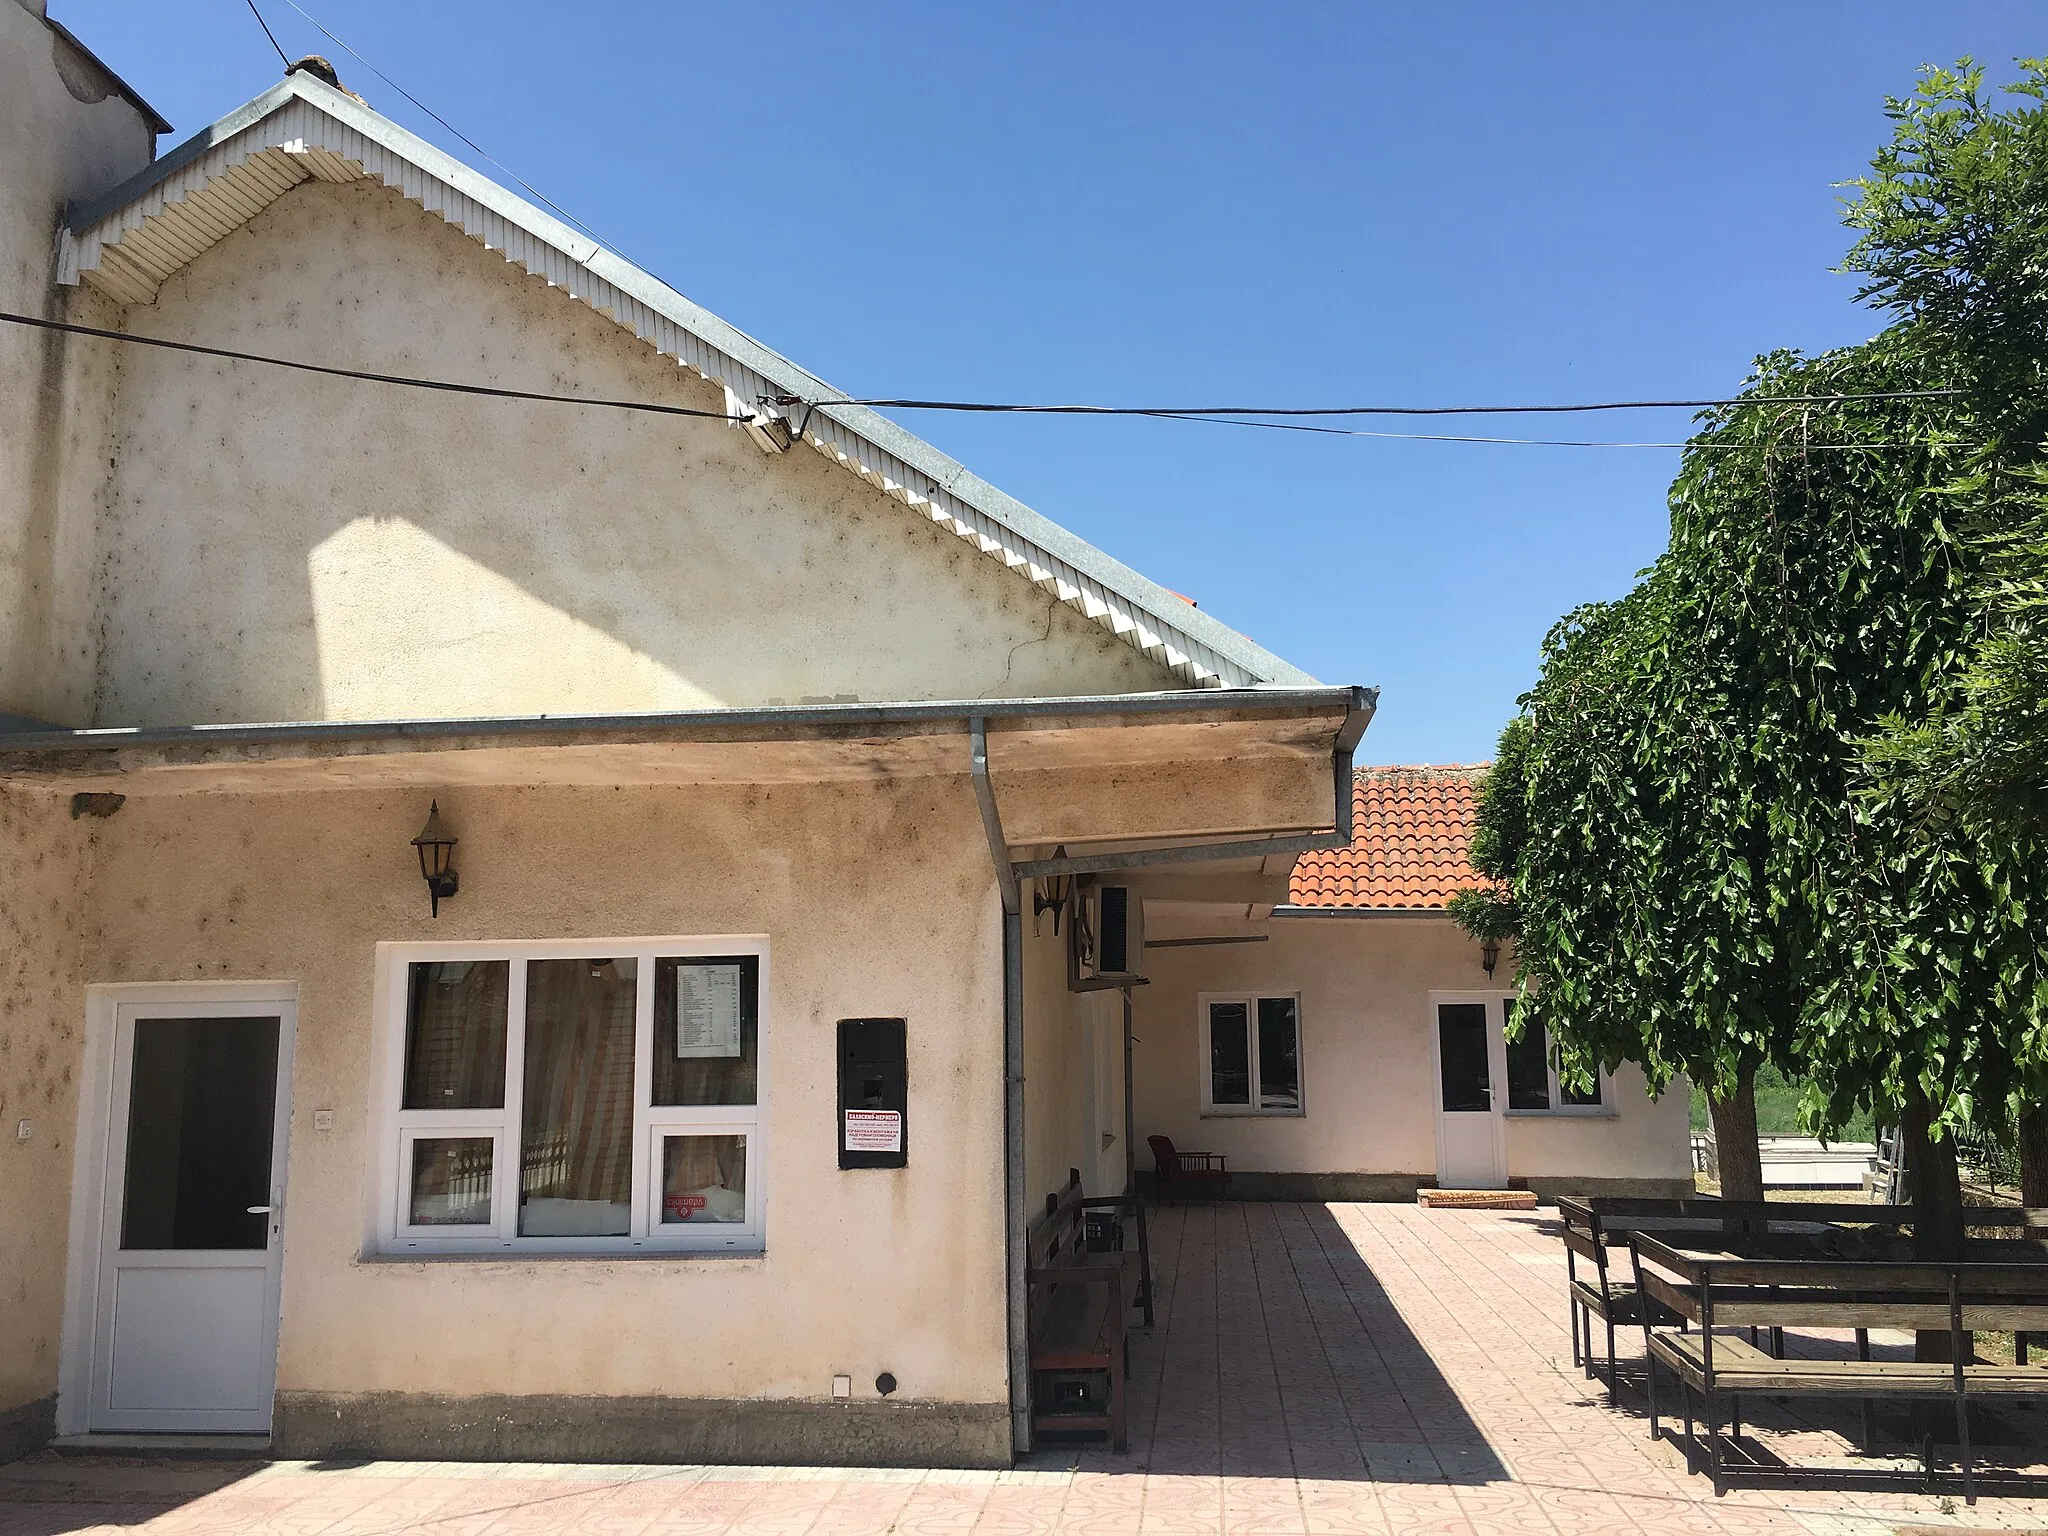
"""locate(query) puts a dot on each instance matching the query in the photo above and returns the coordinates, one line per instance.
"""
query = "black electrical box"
(874, 1094)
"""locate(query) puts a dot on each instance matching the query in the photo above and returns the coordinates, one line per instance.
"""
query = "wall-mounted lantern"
(1489, 954)
(1050, 894)
(437, 853)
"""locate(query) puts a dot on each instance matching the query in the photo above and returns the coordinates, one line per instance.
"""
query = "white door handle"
(260, 1210)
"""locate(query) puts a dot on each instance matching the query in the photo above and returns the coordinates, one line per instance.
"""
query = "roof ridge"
(304, 129)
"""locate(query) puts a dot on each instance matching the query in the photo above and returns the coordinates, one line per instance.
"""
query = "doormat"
(1476, 1199)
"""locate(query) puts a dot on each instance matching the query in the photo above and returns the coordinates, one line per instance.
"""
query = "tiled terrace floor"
(1334, 1370)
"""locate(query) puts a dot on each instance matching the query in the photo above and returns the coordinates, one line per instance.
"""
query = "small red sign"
(683, 1207)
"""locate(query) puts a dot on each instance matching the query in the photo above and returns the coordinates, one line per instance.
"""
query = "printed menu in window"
(707, 1010)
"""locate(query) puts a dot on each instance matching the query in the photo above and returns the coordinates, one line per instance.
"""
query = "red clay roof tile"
(1411, 836)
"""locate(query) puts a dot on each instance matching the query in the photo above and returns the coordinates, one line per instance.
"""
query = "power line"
(1380, 410)
(477, 148)
(269, 34)
(1227, 416)
(404, 380)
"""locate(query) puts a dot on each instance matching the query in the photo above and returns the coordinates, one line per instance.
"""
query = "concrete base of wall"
(1402, 1187)
(27, 1427)
(323, 1426)
(1653, 1189)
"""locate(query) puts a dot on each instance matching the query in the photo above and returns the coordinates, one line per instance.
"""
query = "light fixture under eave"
(1489, 954)
(436, 849)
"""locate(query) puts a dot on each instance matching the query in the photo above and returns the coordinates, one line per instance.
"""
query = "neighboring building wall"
(64, 134)
(44, 857)
(284, 547)
(1073, 1073)
(878, 900)
(1369, 1083)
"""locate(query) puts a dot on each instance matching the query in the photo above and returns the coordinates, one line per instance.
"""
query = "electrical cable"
(404, 380)
(1380, 410)
(1237, 416)
(525, 186)
(269, 34)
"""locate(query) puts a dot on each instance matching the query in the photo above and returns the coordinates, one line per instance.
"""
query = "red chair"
(1178, 1175)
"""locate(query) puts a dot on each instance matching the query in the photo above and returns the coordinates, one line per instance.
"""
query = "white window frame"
(395, 1129)
(1251, 1002)
(1604, 1110)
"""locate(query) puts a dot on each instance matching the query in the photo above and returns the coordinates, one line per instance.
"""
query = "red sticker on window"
(683, 1207)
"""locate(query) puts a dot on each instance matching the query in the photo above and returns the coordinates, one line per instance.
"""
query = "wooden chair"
(1181, 1175)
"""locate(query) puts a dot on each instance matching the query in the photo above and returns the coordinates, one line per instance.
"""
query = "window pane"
(451, 1181)
(202, 1100)
(1279, 1054)
(576, 1141)
(1461, 1041)
(707, 1030)
(1230, 1062)
(1569, 1096)
(455, 1035)
(1528, 1066)
(703, 1180)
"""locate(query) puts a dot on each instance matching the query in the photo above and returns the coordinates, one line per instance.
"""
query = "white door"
(1470, 1146)
(185, 1336)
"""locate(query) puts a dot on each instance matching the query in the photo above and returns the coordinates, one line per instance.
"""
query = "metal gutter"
(781, 721)
(1015, 1259)
(1362, 703)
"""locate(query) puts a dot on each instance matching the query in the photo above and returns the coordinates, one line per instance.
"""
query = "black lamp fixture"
(437, 851)
(1489, 954)
(1050, 895)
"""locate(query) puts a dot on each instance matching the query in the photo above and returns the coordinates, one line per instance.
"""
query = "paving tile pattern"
(1348, 1370)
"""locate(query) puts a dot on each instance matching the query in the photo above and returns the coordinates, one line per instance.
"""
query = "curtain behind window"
(576, 1154)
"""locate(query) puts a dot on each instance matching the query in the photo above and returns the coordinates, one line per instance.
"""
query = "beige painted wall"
(284, 547)
(877, 900)
(1368, 1069)
(1073, 1073)
(62, 136)
(44, 931)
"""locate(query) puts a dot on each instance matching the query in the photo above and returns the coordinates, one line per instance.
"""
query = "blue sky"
(1195, 203)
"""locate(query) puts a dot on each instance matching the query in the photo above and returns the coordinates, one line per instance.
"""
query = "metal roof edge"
(157, 121)
(783, 719)
(1170, 610)
(81, 216)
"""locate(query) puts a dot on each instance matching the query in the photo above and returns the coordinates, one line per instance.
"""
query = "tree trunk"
(2034, 1156)
(1937, 1204)
(1742, 1165)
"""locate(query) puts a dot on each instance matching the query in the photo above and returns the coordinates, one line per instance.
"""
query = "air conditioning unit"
(1109, 939)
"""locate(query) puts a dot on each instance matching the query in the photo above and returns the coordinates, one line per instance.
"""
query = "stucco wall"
(283, 547)
(1368, 1070)
(877, 901)
(1073, 1073)
(44, 925)
(62, 136)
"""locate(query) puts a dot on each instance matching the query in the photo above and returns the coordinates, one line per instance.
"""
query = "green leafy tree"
(1700, 884)
(1953, 241)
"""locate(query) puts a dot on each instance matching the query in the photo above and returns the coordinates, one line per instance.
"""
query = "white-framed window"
(1533, 1086)
(582, 1097)
(1251, 1053)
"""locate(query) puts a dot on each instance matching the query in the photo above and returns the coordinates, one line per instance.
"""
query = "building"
(523, 921)
(1382, 1063)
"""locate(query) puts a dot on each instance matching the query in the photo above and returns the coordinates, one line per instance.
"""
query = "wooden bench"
(1080, 1305)
(1713, 1293)
(1594, 1226)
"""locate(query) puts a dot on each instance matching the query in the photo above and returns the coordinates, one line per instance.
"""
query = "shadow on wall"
(1278, 1353)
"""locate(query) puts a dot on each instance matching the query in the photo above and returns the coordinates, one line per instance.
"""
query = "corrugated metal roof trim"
(140, 233)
